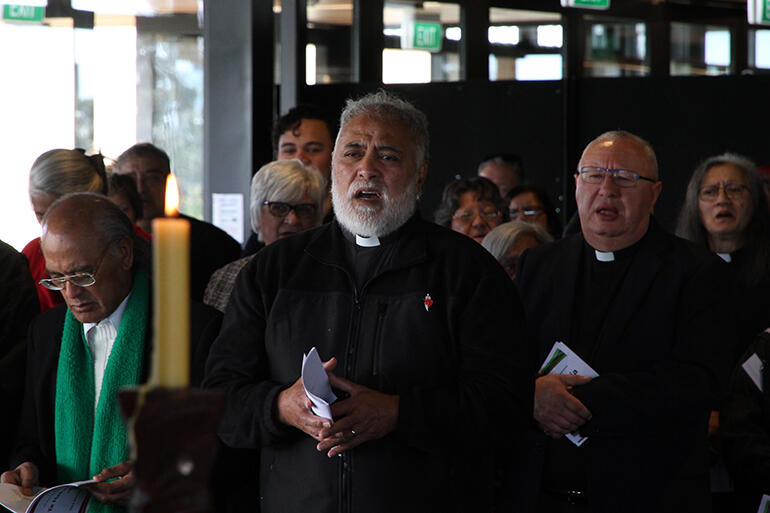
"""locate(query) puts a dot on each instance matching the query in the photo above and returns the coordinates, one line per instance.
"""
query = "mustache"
(367, 185)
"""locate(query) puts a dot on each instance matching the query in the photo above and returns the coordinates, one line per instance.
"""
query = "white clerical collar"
(367, 242)
(727, 257)
(115, 317)
(604, 256)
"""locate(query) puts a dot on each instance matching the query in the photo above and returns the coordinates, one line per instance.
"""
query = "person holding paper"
(412, 321)
(745, 418)
(81, 353)
(650, 314)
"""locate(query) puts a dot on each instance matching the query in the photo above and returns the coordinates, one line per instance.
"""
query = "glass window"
(37, 117)
(127, 79)
(525, 45)
(615, 48)
(759, 49)
(329, 33)
(699, 50)
(421, 42)
(169, 87)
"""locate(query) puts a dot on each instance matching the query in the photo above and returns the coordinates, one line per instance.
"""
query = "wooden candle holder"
(174, 444)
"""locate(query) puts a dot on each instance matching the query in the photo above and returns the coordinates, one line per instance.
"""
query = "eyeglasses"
(525, 213)
(620, 177)
(281, 209)
(79, 279)
(467, 216)
(733, 191)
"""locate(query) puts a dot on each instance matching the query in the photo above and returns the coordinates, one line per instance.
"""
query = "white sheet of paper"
(227, 214)
(764, 506)
(753, 367)
(316, 383)
(563, 360)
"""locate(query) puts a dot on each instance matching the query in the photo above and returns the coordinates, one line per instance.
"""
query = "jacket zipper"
(382, 308)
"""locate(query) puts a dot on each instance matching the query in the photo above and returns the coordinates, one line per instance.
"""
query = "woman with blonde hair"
(53, 174)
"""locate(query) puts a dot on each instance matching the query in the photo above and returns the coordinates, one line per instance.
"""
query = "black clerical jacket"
(662, 356)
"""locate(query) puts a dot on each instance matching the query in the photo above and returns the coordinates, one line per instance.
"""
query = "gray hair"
(61, 171)
(287, 181)
(756, 245)
(501, 239)
(388, 107)
(108, 222)
(614, 135)
(689, 224)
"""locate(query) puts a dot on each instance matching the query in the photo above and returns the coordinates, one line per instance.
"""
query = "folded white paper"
(316, 383)
(562, 360)
(753, 367)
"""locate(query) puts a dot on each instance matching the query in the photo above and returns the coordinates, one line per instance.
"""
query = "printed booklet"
(66, 498)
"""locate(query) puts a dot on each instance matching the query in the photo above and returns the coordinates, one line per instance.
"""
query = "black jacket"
(36, 440)
(210, 249)
(458, 367)
(18, 305)
(745, 426)
(662, 356)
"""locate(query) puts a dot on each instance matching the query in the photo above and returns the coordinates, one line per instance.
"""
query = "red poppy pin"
(428, 302)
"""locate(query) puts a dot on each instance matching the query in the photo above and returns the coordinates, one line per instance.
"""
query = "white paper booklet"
(562, 360)
(65, 498)
(316, 383)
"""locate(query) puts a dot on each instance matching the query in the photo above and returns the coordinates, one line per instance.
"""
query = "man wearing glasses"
(647, 312)
(82, 352)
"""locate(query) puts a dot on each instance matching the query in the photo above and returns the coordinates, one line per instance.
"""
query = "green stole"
(86, 445)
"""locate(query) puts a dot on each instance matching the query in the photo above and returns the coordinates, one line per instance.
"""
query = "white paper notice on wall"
(227, 214)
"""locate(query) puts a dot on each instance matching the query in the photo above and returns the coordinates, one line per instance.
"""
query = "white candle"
(171, 293)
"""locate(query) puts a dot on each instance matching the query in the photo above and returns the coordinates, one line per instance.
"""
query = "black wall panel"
(685, 118)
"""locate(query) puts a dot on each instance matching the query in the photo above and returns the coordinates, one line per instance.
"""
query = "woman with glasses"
(726, 211)
(53, 174)
(286, 198)
(530, 203)
(472, 206)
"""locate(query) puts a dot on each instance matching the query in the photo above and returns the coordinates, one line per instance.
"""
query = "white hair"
(286, 181)
(374, 222)
(501, 239)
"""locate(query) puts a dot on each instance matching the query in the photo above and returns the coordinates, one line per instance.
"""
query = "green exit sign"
(23, 13)
(427, 36)
(587, 4)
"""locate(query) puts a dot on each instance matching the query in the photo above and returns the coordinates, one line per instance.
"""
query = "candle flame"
(172, 196)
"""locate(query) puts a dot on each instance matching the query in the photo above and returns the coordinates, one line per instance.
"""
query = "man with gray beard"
(421, 330)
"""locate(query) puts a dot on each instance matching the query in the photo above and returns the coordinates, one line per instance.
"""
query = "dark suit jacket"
(35, 440)
(662, 357)
(18, 305)
(210, 249)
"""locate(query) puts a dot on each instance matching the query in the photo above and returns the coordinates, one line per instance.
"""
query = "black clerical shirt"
(598, 287)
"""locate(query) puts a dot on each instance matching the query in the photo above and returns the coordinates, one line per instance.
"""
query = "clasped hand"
(556, 410)
(364, 415)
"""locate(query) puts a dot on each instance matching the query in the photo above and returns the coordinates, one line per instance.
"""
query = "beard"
(373, 220)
